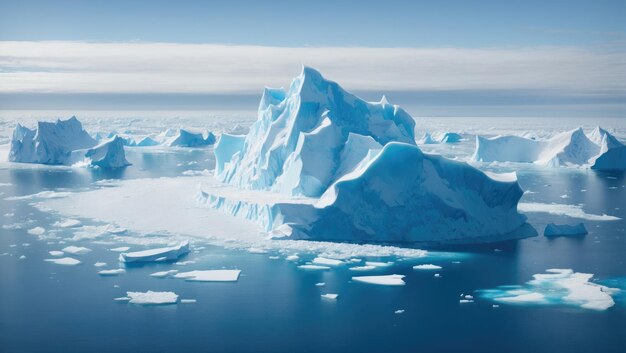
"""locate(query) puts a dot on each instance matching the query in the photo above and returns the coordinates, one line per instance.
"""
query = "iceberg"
(186, 138)
(450, 137)
(599, 150)
(350, 170)
(66, 261)
(427, 139)
(64, 142)
(427, 267)
(160, 254)
(147, 142)
(386, 280)
(553, 230)
(295, 145)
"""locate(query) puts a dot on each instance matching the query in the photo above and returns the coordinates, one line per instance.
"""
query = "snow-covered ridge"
(598, 150)
(64, 142)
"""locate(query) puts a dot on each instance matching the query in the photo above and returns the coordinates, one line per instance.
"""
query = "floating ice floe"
(163, 274)
(36, 231)
(67, 261)
(150, 297)
(160, 254)
(427, 267)
(598, 150)
(553, 230)
(362, 268)
(64, 142)
(330, 296)
(76, 250)
(55, 253)
(385, 280)
(113, 272)
(188, 301)
(378, 263)
(210, 276)
(313, 267)
(399, 311)
(100, 264)
(556, 287)
(120, 249)
(67, 223)
(327, 262)
(574, 211)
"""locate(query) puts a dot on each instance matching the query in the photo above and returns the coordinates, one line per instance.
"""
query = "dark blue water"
(275, 307)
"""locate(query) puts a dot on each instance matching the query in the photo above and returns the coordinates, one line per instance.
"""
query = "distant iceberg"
(64, 142)
(553, 230)
(600, 150)
(186, 138)
(147, 142)
(349, 170)
(451, 137)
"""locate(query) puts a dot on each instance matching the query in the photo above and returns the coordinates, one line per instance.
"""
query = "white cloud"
(135, 67)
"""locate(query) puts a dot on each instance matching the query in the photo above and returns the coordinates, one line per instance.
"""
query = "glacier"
(350, 170)
(65, 142)
(599, 150)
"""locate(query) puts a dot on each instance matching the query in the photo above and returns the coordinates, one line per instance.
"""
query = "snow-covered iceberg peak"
(65, 142)
(598, 150)
(50, 143)
(295, 146)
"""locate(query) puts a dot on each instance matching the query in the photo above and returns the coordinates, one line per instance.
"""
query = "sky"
(437, 58)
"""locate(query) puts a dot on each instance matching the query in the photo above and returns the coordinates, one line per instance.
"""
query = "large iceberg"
(296, 145)
(350, 170)
(186, 138)
(600, 150)
(64, 142)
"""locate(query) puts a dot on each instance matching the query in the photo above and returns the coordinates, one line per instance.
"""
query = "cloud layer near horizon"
(136, 67)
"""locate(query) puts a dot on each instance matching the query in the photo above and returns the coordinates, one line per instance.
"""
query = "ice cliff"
(600, 150)
(64, 142)
(350, 170)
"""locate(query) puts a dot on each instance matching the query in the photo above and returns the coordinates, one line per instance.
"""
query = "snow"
(67, 261)
(210, 275)
(113, 272)
(76, 250)
(152, 298)
(64, 142)
(385, 280)
(556, 287)
(294, 145)
(36, 231)
(327, 262)
(598, 150)
(330, 296)
(564, 229)
(427, 267)
(158, 254)
(185, 138)
(573, 211)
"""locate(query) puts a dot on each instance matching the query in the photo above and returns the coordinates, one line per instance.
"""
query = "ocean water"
(276, 307)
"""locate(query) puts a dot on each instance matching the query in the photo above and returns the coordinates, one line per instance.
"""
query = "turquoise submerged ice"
(360, 170)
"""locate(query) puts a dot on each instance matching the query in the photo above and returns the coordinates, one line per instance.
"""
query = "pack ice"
(350, 170)
(64, 142)
(599, 150)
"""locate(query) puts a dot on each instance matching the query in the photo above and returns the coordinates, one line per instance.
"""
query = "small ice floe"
(427, 267)
(330, 296)
(355, 260)
(120, 249)
(292, 258)
(152, 298)
(400, 311)
(14, 226)
(210, 275)
(362, 268)
(76, 250)
(378, 264)
(67, 223)
(465, 301)
(327, 262)
(67, 261)
(22, 257)
(188, 301)
(9, 214)
(99, 264)
(274, 257)
(183, 263)
(257, 251)
(385, 280)
(55, 253)
(313, 267)
(495, 306)
(159, 254)
(573, 211)
(555, 230)
(437, 275)
(556, 287)
(163, 274)
(320, 284)
(113, 272)
(36, 231)
(564, 196)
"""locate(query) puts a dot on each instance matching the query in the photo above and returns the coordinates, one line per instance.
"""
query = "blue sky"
(454, 57)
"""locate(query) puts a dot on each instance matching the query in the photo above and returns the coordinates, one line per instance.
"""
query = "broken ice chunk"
(427, 267)
(67, 261)
(330, 296)
(76, 250)
(386, 280)
(313, 267)
(36, 231)
(327, 262)
(113, 272)
(163, 274)
(160, 254)
(150, 297)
